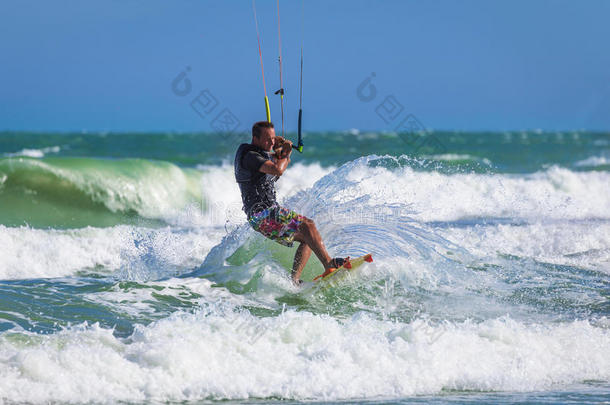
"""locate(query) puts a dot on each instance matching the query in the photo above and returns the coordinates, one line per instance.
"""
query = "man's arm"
(275, 167)
(280, 160)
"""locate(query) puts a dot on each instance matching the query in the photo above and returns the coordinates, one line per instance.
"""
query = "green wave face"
(77, 192)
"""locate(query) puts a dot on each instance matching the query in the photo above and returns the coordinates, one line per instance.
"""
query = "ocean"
(128, 273)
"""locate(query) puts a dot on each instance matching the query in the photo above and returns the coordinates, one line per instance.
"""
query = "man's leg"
(300, 260)
(308, 233)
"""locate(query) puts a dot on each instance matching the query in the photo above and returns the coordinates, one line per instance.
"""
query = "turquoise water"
(128, 273)
(508, 152)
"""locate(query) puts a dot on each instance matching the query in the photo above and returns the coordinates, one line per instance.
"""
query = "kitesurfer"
(256, 170)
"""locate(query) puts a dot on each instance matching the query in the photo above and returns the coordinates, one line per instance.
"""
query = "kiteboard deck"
(332, 278)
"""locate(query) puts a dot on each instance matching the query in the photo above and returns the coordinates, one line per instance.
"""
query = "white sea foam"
(457, 157)
(219, 353)
(553, 195)
(35, 153)
(223, 352)
(593, 161)
(139, 302)
(26, 252)
(431, 196)
(585, 245)
(140, 253)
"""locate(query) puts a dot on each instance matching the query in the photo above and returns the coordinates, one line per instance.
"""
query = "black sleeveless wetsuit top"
(257, 188)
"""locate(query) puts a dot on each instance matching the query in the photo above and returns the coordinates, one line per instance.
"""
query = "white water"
(581, 244)
(30, 253)
(34, 253)
(455, 334)
(536, 206)
(35, 153)
(218, 353)
(593, 161)
(556, 193)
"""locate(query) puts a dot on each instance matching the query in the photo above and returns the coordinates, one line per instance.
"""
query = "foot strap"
(335, 263)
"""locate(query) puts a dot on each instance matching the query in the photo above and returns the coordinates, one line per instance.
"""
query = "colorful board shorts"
(277, 223)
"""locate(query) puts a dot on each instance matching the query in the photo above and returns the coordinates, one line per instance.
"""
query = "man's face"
(267, 139)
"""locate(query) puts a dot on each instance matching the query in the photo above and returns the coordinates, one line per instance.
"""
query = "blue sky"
(465, 65)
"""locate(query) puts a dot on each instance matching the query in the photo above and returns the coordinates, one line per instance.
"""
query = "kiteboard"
(331, 278)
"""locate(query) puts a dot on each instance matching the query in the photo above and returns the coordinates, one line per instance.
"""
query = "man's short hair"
(257, 128)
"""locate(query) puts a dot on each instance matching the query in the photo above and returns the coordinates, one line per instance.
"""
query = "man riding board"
(256, 171)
